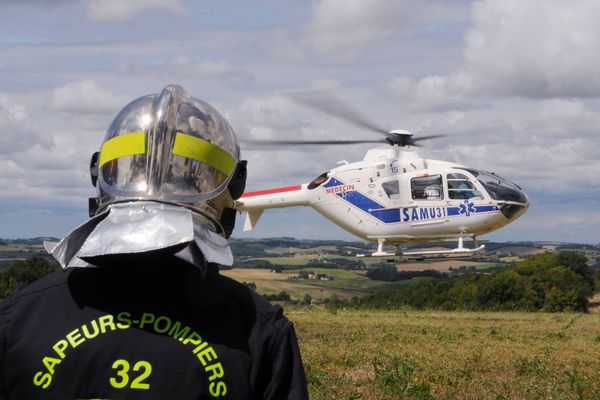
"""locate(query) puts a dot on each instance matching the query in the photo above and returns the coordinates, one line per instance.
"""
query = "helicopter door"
(463, 195)
(461, 188)
(428, 188)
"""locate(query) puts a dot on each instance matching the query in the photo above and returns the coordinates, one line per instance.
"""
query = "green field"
(312, 250)
(5, 248)
(448, 355)
(351, 280)
(346, 284)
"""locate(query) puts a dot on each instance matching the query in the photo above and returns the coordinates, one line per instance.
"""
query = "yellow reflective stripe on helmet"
(128, 144)
(198, 149)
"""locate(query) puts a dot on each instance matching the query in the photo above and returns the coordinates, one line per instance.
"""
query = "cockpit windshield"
(498, 187)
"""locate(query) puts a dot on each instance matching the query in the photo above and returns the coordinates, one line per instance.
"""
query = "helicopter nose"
(513, 210)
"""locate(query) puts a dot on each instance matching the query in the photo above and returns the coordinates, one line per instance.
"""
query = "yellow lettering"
(124, 319)
(74, 338)
(60, 347)
(138, 383)
(147, 318)
(50, 363)
(122, 368)
(86, 331)
(194, 338)
(217, 389)
(216, 371)
(176, 333)
(142, 370)
(122, 379)
(42, 379)
(107, 321)
(206, 356)
(157, 323)
(200, 347)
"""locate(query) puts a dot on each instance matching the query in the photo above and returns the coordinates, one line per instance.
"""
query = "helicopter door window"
(427, 187)
(392, 189)
(460, 187)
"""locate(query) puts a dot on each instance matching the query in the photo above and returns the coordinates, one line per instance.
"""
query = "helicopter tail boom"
(256, 202)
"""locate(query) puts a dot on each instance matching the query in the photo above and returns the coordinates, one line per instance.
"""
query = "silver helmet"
(167, 174)
(169, 148)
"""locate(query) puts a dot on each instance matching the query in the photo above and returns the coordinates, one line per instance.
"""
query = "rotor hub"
(400, 137)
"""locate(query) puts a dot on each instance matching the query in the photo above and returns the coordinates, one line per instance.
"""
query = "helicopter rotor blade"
(308, 142)
(325, 102)
(420, 138)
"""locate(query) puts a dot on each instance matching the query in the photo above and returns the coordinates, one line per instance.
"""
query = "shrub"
(23, 272)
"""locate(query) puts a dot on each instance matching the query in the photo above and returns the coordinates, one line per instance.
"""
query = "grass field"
(5, 248)
(346, 284)
(448, 355)
(441, 265)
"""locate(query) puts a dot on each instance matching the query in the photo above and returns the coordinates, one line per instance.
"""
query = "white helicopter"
(394, 196)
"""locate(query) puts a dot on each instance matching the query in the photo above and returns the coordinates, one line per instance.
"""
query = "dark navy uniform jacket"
(160, 331)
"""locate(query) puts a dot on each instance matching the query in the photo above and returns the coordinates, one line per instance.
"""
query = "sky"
(514, 85)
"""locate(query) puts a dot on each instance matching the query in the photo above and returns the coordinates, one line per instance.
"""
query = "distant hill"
(28, 242)
(20, 249)
(291, 252)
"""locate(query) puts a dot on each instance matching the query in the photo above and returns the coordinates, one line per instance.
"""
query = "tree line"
(562, 281)
(389, 273)
(22, 272)
(551, 282)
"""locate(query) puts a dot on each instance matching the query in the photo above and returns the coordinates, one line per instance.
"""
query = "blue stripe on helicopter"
(332, 182)
(469, 208)
(387, 216)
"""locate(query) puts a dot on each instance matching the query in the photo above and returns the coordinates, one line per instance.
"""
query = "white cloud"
(126, 10)
(86, 96)
(535, 48)
(279, 117)
(430, 93)
(17, 130)
(267, 114)
(342, 29)
(285, 47)
(44, 154)
(545, 146)
(219, 70)
(513, 84)
(10, 169)
(183, 68)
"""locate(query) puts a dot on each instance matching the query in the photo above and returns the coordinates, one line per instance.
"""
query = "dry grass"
(441, 266)
(449, 355)
(347, 284)
(268, 282)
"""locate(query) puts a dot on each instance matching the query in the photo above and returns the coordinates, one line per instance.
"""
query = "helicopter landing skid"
(459, 252)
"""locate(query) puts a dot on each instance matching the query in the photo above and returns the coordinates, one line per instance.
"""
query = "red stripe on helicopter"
(272, 191)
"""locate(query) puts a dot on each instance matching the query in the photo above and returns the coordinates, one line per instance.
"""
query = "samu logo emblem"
(467, 208)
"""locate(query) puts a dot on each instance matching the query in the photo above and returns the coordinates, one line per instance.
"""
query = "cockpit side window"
(460, 187)
(427, 187)
(392, 189)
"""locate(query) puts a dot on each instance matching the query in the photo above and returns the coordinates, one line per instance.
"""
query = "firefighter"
(141, 311)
